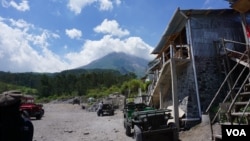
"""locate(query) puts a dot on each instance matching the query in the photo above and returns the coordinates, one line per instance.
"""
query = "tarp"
(181, 112)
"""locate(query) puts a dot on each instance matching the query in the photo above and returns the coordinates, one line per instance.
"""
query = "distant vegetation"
(89, 83)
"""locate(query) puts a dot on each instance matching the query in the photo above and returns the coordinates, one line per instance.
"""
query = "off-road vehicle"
(129, 112)
(151, 125)
(146, 123)
(107, 109)
(29, 106)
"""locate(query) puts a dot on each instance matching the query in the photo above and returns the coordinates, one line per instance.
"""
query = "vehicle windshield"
(28, 99)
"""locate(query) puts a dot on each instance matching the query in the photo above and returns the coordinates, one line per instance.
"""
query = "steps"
(234, 107)
(241, 108)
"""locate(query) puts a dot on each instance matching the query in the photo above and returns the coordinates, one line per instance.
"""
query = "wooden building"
(193, 62)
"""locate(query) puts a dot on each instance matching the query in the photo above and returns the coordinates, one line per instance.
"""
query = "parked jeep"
(107, 109)
(153, 125)
(146, 123)
(128, 112)
(31, 108)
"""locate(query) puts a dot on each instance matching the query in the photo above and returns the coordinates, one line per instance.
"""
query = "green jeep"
(146, 123)
(128, 113)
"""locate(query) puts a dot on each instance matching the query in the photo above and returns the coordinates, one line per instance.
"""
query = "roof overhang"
(177, 23)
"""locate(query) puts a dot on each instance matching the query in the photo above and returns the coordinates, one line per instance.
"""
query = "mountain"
(122, 62)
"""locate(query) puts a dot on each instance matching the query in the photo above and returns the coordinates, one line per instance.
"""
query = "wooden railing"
(178, 52)
(242, 58)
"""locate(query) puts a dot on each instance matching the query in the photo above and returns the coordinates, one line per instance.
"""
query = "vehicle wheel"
(171, 125)
(42, 113)
(38, 117)
(137, 133)
(128, 131)
(174, 130)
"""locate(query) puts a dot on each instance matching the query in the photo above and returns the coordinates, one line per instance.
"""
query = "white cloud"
(74, 33)
(20, 23)
(106, 5)
(23, 51)
(93, 50)
(77, 5)
(17, 53)
(111, 27)
(22, 6)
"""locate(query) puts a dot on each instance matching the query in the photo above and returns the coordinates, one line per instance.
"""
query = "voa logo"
(236, 132)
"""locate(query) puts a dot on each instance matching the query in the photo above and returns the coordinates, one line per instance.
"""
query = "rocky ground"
(68, 122)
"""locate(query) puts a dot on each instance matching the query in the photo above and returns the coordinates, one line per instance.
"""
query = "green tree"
(45, 87)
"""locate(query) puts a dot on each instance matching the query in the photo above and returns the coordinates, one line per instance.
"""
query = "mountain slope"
(120, 61)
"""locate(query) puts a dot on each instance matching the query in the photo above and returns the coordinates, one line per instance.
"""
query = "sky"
(56, 35)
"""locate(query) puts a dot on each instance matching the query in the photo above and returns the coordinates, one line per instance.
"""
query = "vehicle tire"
(172, 125)
(42, 112)
(38, 117)
(128, 131)
(137, 133)
(174, 130)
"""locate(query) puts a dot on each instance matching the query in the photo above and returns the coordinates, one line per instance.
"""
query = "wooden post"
(174, 91)
(160, 97)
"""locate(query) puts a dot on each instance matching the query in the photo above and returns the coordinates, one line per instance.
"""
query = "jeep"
(147, 123)
(29, 106)
(107, 109)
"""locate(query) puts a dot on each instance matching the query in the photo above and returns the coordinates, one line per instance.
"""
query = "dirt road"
(67, 122)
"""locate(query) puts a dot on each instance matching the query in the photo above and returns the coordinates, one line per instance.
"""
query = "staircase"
(240, 108)
(235, 106)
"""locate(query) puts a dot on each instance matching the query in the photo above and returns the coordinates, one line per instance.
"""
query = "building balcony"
(161, 71)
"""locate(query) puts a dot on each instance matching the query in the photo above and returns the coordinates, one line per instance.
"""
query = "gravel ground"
(67, 122)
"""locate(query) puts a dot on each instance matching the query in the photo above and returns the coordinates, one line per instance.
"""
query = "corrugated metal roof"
(176, 25)
(178, 22)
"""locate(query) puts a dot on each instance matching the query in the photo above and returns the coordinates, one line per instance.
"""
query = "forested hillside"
(96, 82)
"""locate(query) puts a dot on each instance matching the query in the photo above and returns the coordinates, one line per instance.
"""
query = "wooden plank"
(245, 93)
(240, 103)
(240, 114)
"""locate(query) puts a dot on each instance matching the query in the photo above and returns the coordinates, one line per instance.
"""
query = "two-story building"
(192, 62)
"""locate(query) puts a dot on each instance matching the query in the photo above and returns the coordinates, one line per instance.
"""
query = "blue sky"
(55, 35)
